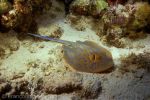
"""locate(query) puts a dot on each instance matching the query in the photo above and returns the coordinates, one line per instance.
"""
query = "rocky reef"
(19, 15)
(140, 61)
(114, 23)
(126, 22)
(5, 6)
(89, 7)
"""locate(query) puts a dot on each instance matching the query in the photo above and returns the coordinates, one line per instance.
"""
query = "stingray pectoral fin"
(88, 57)
(94, 45)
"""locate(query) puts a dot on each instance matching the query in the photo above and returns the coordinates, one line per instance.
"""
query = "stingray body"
(84, 56)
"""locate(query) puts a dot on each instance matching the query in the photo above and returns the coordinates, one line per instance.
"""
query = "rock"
(85, 86)
(5, 6)
(88, 7)
(55, 31)
(140, 61)
(16, 87)
(8, 44)
(141, 20)
(19, 17)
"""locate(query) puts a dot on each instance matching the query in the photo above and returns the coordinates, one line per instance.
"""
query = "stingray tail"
(49, 38)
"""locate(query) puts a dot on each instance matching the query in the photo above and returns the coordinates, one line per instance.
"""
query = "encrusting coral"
(115, 22)
(89, 7)
(19, 17)
(20, 14)
(4, 6)
(124, 21)
(141, 18)
(134, 62)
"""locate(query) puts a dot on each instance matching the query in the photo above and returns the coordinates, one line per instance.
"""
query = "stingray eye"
(94, 57)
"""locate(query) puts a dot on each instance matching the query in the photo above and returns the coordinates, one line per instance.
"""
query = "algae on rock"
(142, 15)
(88, 7)
(20, 15)
(5, 6)
(97, 7)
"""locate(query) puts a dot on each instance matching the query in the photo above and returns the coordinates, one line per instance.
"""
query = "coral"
(5, 6)
(21, 17)
(118, 16)
(124, 21)
(80, 23)
(116, 22)
(40, 6)
(113, 24)
(54, 31)
(97, 6)
(142, 16)
(88, 7)
(112, 40)
(134, 62)
(136, 35)
(80, 6)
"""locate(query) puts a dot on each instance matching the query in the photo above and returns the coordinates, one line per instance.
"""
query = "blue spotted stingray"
(84, 56)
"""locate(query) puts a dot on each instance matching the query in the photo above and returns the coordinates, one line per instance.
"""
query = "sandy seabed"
(35, 68)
